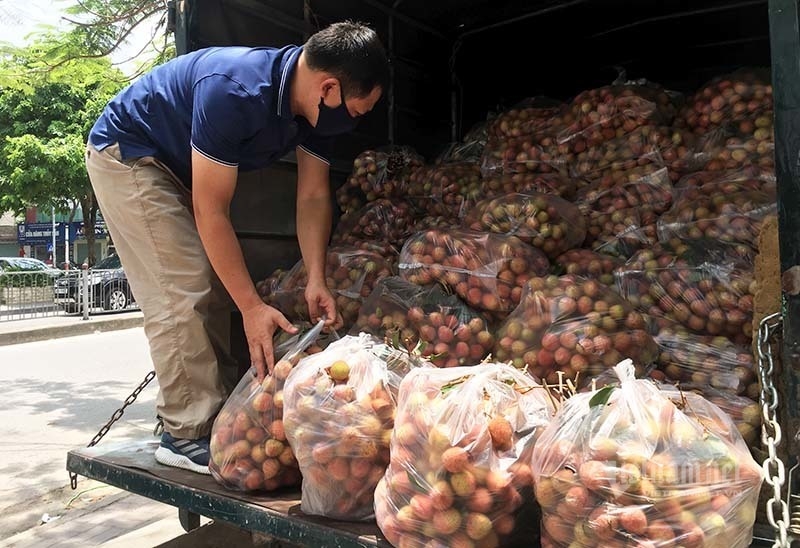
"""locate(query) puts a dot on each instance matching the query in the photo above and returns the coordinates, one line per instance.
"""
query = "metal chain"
(73, 477)
(771, 434)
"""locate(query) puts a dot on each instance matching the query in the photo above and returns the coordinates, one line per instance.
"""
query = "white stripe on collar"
(283, 80)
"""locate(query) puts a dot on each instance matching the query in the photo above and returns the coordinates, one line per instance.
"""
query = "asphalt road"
(56, 395)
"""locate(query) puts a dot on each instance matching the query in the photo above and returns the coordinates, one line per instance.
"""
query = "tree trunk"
(89, 206)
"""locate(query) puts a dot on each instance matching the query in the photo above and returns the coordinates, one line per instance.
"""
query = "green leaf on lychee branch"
(601, 397)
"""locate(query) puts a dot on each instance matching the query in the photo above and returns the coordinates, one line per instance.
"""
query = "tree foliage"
(45, 118)
(101, 28)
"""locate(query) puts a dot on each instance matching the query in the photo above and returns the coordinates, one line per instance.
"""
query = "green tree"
(102, 27)
(45, 118)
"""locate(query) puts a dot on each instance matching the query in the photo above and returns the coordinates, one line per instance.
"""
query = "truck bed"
(132, 467)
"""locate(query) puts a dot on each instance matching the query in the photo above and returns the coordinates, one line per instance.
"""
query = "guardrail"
(27, 295)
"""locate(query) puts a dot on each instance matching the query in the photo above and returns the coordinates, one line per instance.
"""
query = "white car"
(26, 264)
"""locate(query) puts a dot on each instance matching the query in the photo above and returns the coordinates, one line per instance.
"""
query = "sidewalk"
(99, 515)
(95, 514)
(53, 327)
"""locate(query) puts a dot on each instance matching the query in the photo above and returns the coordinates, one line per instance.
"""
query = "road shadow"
(80, 405)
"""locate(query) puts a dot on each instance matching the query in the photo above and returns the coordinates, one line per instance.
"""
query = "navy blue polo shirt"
(230, 104)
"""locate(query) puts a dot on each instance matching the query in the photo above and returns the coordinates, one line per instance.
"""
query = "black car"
(108, 287)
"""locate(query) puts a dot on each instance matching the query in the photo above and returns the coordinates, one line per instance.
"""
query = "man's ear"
(329, 88)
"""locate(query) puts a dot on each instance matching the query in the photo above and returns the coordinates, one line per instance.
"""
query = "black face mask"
(334, 120)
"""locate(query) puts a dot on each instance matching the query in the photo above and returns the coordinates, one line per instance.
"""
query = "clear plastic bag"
(707, 361)
(267, 286)
(744, 412)
(339, 413)
(444, 328)
(589, 264)
(527, 117)
(609, 112)
(630, 466)
(438, 221)
(546, 222)
(644, 150)
(726, 182)
(460, 452)
(536, 153)
(707, 212)
(447, 190)
(486, 270)
(651, 194)
(350, 274)
(732, 101)
(573, 326)
(495, 184)
(622, 219)
(389, 221)
(470, 148)
(707, 289)
(283, 342)
(377, 174)
(736, 151)
(619, 232)
(249, 451)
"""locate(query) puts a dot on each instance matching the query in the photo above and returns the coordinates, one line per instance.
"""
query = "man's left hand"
(321, 302)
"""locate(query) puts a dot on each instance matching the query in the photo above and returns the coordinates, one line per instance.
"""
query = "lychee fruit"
(287, 458)
(322, 454)
(360, 468)
(422, 506)
(282, 369)
(340, 371)
(270, 468)
(455, 460)
(277, 430)
(463, 484)
(339, 469)
(504, 524)
(441, 495)
(497, 480)
(478, 526)
(633, 520)
(447, 522)
(481, 501)
(501, 432)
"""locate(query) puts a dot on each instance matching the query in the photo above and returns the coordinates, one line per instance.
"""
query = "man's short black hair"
(352, 53)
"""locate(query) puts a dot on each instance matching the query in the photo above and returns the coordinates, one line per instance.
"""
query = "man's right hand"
(260, 324)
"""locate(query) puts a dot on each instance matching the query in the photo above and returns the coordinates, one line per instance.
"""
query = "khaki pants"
(186, 309)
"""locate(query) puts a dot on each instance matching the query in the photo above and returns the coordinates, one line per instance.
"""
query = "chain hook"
(73, 477)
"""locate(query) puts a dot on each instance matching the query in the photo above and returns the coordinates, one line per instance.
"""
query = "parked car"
(108, 287)
(69, 265)
(26, 265)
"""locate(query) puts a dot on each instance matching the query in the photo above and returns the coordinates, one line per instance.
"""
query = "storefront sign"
(39, 233)
(42, 233)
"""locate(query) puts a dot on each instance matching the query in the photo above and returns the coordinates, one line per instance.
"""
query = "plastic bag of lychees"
(573, 327)
(339, 414)
(441, 326)
(635, 466)
(249, 451)
(459, 474)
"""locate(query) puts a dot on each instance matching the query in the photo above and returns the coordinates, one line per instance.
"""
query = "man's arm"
(213, 185)
(313, 232)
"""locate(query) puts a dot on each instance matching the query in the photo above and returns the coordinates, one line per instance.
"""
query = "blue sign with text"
(42, 233)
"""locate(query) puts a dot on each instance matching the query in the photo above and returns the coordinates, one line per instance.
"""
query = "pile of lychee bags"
(484, 455)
